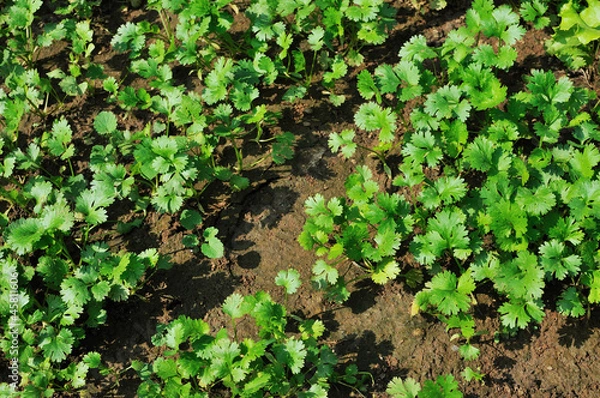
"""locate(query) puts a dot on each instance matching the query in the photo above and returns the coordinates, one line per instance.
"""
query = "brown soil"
(259, 228)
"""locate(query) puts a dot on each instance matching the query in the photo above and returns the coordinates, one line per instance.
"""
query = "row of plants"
(67, 188)
(497, 188)
(279, 363)
(476, 162)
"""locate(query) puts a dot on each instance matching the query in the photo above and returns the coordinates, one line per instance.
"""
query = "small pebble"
(417, 332)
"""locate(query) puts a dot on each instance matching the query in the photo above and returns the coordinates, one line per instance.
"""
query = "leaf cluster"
(498, 186)
(275, 362)
(366, 230)
(576, 39)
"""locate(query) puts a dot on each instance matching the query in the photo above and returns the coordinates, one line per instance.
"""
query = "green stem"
(166, 27)
(312, 69)
(380, 157)
(239, 157)
(234, 327)
(71, 167)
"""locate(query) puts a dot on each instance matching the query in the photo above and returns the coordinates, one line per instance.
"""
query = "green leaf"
(290, 280)
(315, 38)
(105, 123)
(570, 303)
(533, 11)
(92, 204)
(583, 198)
(242, 96)
(58, 141)
(503, 58)
(292, 353)
(567, 230)
(56, 346)
(521, 278)
(213, 247)
(371, 116)
(23, 234)
(312, 328)
(325, 272)
(57, 216)
(482, 87)
(190, 219)
(546, 90)
(110, 85)
(444, 232)
(443, 387)
(129, 36)
(337, 99)
(216, 81)
(408, 388)
(92, 359)
(557, 262)
(169, 198)
(366, 86)
(446, 190)
(343, 141)
(239, 183)
(360, 187)
(481, 154)
(468, 352)
(507, 25)
(417, 50)
(509, 224)
(256, 384)
(538, 202)
(449, 294)
(165, 368)
(385, 271)
(410, 75)
(388, 241)
(446, 102)
(424, 148)
(190, 241)
(100, 290)
(74, 292)
(53, 269)
(69, 85)
(518, 313)
(338, 70)
(594, 296)
(470, 374)
(583, 162)
(387, 78)
(235, 306)
(283, 148)
(293, 93)
(76, 373)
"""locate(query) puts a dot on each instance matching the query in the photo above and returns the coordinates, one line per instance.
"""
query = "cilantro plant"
(502, 183)
(25, 89)
(366, 230)
(82, 72)
(576, 40)
(334, 31)
(225, 112)
(54, 229)
(275, 362)
(66, 275)
(444, 386)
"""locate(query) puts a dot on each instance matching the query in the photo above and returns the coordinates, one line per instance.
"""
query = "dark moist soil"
(260, 226)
